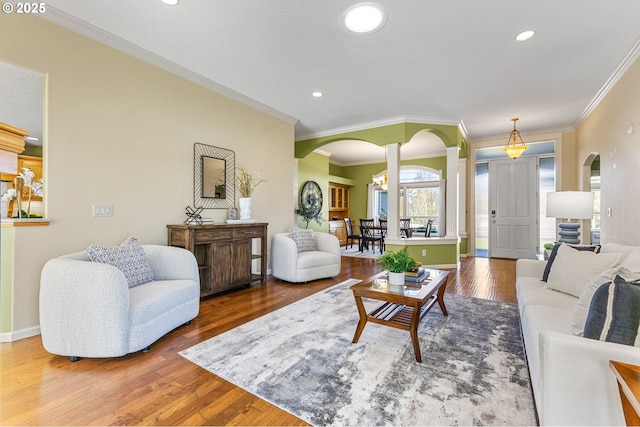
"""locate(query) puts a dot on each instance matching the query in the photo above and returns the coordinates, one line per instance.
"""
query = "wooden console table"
(628, 377)
(224, 253)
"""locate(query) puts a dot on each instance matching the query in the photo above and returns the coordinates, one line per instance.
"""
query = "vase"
(245, 207)
(396, 279)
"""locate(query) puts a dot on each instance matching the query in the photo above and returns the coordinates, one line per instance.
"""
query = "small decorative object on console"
(193, 216)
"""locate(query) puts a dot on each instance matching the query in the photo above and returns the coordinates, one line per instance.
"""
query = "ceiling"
(435, 61)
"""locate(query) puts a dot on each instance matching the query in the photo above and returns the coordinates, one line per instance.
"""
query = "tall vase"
(245, 207)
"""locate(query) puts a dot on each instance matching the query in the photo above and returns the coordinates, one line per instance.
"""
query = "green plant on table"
(397, 262)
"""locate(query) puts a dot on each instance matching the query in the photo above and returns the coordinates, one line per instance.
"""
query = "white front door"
(513, 208)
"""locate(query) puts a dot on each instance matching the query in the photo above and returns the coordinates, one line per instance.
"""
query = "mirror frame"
(229, 157)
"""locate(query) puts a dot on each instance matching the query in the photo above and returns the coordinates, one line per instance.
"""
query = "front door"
(513, 208)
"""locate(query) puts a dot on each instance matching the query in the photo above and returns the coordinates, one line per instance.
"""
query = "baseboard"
(443, 266)
(21, 334)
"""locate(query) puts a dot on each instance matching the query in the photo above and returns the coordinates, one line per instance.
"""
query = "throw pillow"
(632, 264)
(573, 269)
(614, 313)
(554, 252)
(304, 239)
(129, 258)
(581, 310)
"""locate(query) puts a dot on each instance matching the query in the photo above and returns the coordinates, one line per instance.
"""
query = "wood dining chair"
(405, 227)
(351, 236)
(367, 228)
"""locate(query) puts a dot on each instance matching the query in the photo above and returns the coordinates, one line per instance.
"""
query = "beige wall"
(120, 132)
(605, 132)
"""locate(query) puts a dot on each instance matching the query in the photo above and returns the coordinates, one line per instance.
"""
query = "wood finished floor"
(162, 388)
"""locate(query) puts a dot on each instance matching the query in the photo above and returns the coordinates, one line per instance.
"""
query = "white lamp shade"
(570, 204)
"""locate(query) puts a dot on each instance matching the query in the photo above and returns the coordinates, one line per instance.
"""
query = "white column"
(393, 190)
(462, 197)
(452, 192)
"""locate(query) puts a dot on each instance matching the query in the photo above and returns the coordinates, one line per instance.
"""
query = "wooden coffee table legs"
(405, 316)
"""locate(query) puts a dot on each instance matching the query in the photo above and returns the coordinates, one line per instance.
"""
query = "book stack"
(417, 274)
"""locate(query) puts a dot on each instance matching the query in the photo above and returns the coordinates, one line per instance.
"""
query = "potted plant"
(308, 213)
(397, 263)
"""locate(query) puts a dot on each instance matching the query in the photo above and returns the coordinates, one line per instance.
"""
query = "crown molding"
(92, 32)
(610, 83)
(380, 123)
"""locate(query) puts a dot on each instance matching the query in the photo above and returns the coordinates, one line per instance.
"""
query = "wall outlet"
(424, 252)
(102, 211)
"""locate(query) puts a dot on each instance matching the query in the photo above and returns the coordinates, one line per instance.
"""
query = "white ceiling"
(438, 61)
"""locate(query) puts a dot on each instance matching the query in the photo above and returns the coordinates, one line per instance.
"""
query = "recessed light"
(363, 18)
(525, 35)
(317, 94)
(31, 138)
(170, 2)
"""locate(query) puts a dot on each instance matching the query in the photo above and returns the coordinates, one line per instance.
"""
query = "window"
(421, 198)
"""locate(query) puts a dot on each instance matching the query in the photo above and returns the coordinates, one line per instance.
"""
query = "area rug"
(355, 252)
(301, 359)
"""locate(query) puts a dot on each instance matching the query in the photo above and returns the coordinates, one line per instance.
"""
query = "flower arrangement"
(247, 181)
(397, 262)
(24, 179)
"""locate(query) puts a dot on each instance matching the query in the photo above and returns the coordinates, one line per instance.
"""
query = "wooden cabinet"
(338, 201)
(224, 253)
(337, 229)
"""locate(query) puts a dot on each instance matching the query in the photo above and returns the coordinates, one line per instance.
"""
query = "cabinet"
(31, 162)
(338, 201)
(224, 253)
(337, 229)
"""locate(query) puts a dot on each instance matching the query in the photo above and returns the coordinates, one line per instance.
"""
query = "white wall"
(120, 132)
(604, 131)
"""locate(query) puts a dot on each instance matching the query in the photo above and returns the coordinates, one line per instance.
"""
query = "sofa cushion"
(129, 258)
(152, 299)
(554, 253)
(614, 313)
(572, 269)
(632, 263)
(304, 239)
(531, 291)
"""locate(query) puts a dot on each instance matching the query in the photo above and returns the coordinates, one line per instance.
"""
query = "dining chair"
(351, 236)
(382, 231)
(368, 230)
(427, 229)
(405, 227)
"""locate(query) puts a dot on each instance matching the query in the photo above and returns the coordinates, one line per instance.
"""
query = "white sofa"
(570, 375)
(87, 309)
(293, 266)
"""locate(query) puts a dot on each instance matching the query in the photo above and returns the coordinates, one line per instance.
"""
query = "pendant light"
(513, 148)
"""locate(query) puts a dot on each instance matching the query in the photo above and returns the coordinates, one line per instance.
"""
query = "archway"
(591, 181)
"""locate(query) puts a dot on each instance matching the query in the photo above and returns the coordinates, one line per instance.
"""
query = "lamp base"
(569, 232)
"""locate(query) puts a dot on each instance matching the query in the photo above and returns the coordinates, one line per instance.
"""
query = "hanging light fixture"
(381, 182)
(513, 148)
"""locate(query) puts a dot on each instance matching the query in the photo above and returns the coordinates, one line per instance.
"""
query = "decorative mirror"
(214, 170)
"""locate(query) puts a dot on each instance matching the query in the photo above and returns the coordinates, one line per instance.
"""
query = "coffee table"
(402, 308)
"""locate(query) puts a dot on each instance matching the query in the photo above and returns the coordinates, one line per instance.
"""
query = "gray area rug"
(355, 252)
(301, 359)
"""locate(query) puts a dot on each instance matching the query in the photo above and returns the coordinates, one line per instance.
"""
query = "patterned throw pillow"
(129, 258)
(614, 314)
(304, 239)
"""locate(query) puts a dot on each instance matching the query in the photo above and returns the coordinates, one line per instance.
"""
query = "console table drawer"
(204, 236)
(245, 232)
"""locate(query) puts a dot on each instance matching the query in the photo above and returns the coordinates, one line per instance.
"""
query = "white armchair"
(290, 265)
(87, 309)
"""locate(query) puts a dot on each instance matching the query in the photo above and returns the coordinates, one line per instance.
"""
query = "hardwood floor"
(162, 388)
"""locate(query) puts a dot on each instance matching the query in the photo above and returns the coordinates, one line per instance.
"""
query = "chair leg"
(146, 349)
(74, 359)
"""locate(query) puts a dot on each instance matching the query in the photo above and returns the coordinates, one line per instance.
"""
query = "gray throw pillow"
(129, 258)
(304, 239)
(614, 313)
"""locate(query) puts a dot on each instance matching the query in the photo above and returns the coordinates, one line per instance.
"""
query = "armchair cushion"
(129, 258)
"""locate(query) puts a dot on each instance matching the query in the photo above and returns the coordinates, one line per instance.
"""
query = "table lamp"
(570, 205)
